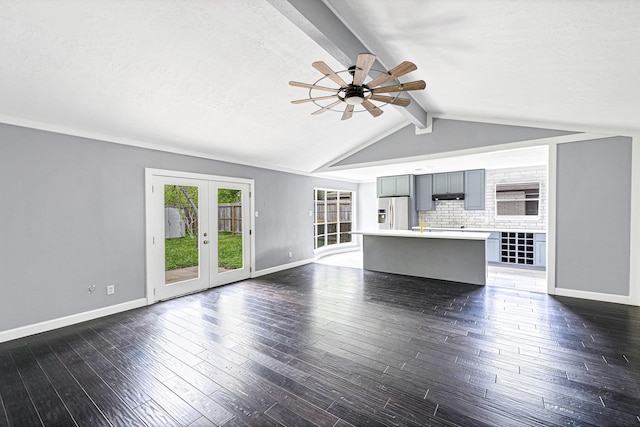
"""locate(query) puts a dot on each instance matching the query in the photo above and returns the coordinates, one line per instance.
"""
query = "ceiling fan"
(358, 92)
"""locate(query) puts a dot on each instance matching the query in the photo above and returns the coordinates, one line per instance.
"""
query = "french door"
(198, 232)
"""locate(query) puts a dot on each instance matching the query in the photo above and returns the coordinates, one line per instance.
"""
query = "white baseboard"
(61, 322)
(281, 267)
(595, 296)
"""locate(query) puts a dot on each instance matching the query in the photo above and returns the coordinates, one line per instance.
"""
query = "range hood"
(448, 196)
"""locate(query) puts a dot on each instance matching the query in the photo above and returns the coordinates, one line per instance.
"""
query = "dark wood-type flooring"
(333, 346)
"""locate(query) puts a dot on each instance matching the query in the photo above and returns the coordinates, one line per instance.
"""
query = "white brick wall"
(451, 213)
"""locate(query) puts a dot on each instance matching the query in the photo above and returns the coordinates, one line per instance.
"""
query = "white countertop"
(484, 230)
(436, 234)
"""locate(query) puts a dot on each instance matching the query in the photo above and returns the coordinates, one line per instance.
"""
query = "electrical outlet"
(290, 254)
(111, 289)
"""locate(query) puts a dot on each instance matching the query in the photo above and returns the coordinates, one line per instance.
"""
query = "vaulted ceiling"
(210, 77)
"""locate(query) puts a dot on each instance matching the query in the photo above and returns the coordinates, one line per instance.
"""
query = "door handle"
(205, 242)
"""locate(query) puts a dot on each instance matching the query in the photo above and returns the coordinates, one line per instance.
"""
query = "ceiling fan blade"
(403, 102)
(310, 86)
(372, 109)
(417, 85)
(323, 109)
(363, 65)
(328, 72)
(320, 98)
(398, 71)
(348, 112)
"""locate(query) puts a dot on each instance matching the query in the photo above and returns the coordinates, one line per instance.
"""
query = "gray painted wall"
(447, 135)
(73, 215)
(593, 219)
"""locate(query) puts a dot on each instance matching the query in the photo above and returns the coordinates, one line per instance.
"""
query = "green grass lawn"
(229, 250)
(183, 252)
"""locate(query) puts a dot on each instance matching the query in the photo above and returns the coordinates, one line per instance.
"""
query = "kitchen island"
(446, 255)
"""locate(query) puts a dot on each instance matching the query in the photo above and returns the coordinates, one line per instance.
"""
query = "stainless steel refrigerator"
(393, 213)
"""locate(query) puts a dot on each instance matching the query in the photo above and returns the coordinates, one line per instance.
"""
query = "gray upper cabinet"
(423, 192)
(449, 182)
(456, 182)
(394, 186)
(474, 189)
(440, 183)
(386, 186)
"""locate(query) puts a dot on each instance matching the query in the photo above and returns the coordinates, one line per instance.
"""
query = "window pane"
(320, 208)
(517, 199)
(345, 226)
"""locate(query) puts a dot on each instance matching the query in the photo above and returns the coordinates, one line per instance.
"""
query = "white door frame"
(151, 263)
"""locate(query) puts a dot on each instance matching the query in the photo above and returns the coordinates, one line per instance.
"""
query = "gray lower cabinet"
(540, 250)
(424, 184)
(514, 247)
(493, 247)
(474, 189)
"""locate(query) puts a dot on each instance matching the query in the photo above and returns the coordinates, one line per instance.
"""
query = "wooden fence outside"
(230, 218)
(332, 211)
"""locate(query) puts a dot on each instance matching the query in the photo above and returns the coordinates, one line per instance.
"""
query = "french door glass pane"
(230, 231)
(181, 257)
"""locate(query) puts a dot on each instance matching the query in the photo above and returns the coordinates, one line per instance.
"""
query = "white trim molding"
(551, 217)
(282, 267)
(595, 296)
(634, 251)
(61, 322)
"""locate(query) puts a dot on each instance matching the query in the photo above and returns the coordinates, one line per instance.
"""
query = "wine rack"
(517, 248)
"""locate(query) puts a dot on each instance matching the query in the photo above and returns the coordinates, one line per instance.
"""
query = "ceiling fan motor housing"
(354, 95)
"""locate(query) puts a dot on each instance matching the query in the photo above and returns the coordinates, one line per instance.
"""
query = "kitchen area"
(504, 208)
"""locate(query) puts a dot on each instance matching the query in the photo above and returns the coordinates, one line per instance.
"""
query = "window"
(333, 217)
(518, 199)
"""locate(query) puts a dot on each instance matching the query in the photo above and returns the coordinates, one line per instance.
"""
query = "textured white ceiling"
(554, 63)
(205, 76)
(210, 77)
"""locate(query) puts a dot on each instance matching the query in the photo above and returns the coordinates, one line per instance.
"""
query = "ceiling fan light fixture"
(354, 100)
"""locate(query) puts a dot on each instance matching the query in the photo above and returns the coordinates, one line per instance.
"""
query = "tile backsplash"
(451, 213)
